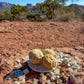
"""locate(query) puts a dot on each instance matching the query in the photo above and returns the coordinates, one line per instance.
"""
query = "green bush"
(18, 12)
(35, 17)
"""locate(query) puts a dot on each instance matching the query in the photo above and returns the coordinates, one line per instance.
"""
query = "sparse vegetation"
(52, 10)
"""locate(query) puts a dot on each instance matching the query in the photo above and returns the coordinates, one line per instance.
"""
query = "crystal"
(34, 82)
(18, 73)
(18, 66)
(52, 78)
(71, 70)
(26, 58)
(56, 71)
(69, 65)
(44, 78)
(77, 58)
(59, 81)
(48, 82)
(19, 60)
(21, 77)
(26, 71)
(40, 80)
(51, 73)
(57, 76)
(70, 59)
(41, 74)
(72, 78)
(16, 82)
(62, 74)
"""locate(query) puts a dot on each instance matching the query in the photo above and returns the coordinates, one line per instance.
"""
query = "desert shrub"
(5, 15)
(66, 14)
(35, 17)
(18, 12)
(82, 16)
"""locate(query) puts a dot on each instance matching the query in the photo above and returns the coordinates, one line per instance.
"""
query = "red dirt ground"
(19, 37)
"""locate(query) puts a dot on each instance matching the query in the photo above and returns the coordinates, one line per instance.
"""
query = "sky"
(33, 2)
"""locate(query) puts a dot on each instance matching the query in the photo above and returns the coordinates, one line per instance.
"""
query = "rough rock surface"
(18, 38)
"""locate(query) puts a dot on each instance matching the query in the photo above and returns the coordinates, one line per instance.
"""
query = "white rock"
(21, 77)
(41, 74)
(18, 66)
(48, 82)
(16, 82)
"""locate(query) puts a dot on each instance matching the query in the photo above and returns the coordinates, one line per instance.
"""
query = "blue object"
(40, 80)
(18, 73)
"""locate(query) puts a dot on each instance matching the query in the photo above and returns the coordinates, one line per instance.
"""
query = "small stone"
(59, 81)
(57, 77)
(18, 66)
(70, 59)
(34, 82)
(52, 78)
(41, 74)
(44, 78)
(16, 82)
(25, 59)
(19, 60)
(72, 78)
(62, 74)
(71, 70)
(26, 71)
(69, 65)
(22, 81)
(56, 71)
(77, 58)
(48, 74)
(65, 61)
(7, 78)
(40, 80)
(51, 73)
(21, 77)
(48, 82)
(18, 73)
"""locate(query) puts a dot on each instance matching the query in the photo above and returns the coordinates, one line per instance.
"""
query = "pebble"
(62, 74)
(48, 82)
(71, 70)
(21, 77)
(59, 81)
(18, 73)
(22, 81)
(26, 58)
(41, 74)
(40, 80)
(18, 66)
(57, 77)
(77, 58)
(57, 71)
(18, 61)
(16, 82)
(44, 78)
(26, 71)
(69, 65)
(72, 78)
(52, 78)
(34, 82)
(70, 59)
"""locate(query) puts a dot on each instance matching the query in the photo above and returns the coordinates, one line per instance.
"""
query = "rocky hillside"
(7, 6)
(4, 5)
(77, 7)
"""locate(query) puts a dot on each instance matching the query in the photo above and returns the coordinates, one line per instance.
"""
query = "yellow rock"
(35, 56)
(49, 61)
(48, 51)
